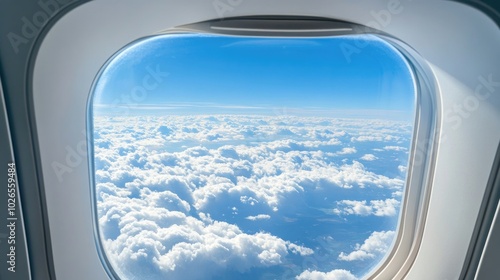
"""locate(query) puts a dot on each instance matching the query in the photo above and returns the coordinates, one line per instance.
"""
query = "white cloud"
(347, 151)
(369, 157)
(377, 244)
(397, 193)
(386, 207)
(395, 148)
(357, 175)
(163, 181)
(300, 250)
(258, 217)
(402, 168)
(171, 243)
(337, 274)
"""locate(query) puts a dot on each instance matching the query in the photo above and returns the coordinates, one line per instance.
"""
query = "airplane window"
(247, 157)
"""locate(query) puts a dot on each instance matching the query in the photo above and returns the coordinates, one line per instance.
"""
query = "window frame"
(60, 50)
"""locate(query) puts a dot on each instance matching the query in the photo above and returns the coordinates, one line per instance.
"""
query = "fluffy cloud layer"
(166, 243)
(178, 192)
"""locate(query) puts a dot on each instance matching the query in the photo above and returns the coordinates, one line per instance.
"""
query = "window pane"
(227, 157)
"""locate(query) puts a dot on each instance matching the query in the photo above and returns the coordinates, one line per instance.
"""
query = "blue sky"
(251, 158)
(208, 73)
